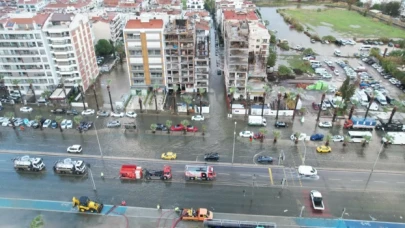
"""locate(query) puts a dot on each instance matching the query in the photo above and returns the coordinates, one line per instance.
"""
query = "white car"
(325, 124)
(131, 114)
(246, 134)
(337, 138)
(336, 72)
(75, 149)
(301, 138)
(25, 109)
(88, 112)
(198, 118)
(5, 123)
(47, 123)
(117, 114)
(66, 124)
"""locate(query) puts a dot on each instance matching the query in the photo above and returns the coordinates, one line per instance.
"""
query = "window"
(257, 46)
(137, 67)
(258, 40)
(264, 40)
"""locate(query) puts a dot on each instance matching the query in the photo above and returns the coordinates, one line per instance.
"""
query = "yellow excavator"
(84, 204)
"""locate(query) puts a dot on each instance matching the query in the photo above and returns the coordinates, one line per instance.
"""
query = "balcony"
(201, 71)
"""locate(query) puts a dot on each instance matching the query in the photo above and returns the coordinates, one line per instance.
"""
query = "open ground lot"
(349, 23)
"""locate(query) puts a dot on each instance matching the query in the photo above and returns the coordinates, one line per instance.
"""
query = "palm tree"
(37, 222)
(327, 139)
(10, 115)
(320, 106)
(46, 94)
(93, 83)
(185, 124)
(175, 89)
(140, 103)
(276, 134)
(59, 120)
(168, 125)
(201, 91)
(297, 136)
(232, 90)
(15, 83)
(38, 119)
(262, 131)
(32, 89)
(113, 48)
(188, 100)
(248, 90)
(204, 128)
(387, 139)
(278, 104)
(155, 87)
(367, 139)
(109, 94)
(267, 90)
(121, 51)
(153, 128)
(346, 139)
(62, 82)
(77, 120)
(369, 105)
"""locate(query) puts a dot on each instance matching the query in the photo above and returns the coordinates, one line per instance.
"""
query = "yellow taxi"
(169, 156)
(323, 149)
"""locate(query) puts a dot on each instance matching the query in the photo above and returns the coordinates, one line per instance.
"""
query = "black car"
(264, 159)
(72, 112)
(85, 125)
(161, 127)
(211, 157)
(35, 125)
(280, 124)
(58, 111)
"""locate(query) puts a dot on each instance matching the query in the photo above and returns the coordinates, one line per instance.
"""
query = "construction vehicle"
(393, 126)
(199, 172)
(360, 123)
(25, 163)
(84, 204)
(164, 174)
(69, 166)
(131, 172)
(198, 215)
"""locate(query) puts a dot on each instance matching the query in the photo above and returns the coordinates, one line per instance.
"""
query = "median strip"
(271, 177)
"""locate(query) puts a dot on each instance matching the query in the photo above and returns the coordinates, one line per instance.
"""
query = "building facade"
(195, 4)
(144, 47)
(108, 26)
(31, 5)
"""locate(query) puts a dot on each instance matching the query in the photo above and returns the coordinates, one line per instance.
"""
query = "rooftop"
(62, 4)
(60, 17)
(199, 13)
(240, 15)
(151, 24)
(38, 19)
(106, 18)
(202, 26)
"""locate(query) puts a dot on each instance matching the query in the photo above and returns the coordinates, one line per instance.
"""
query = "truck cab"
(68, 166)
(200, 214)
(25, 163)
(164, 174)
(316, 198)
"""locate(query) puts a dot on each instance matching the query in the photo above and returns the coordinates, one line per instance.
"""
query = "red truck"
(200, 172)
(133, 172)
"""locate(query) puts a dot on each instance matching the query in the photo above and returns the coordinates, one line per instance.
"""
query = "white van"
(307, 171)
(315, 62)
(320, 70)
(365, 48)
(337, 53)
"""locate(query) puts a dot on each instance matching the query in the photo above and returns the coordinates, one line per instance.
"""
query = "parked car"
(131, 114)
(280, 124)
(75, 149)
(84, 125)
(47, 123)
(54, 124)
(246, 134)
(88, 112)
(325, 124)
(117, 114)
(25, 109)
(114, 123)
(191, 128)
(169, 156)
(177, 127)
(300, 138)
(198, 118)
(18, 122)
(72, 112)
(264, 159)
(258, 136)
(161, 127)
(103, 113)
(323, 149)
(316, 137)
(58, 111)
(211, 157)
(66, 124)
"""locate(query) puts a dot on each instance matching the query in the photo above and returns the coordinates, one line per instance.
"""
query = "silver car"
(103, 113)
(114, 123)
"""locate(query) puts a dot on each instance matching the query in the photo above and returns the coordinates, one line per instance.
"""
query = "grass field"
(296, 62)
(348, 23)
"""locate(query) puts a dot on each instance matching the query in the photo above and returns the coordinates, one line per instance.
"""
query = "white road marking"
(356, 180)
(224, 174)
(245, 175)
(332, 179)
(400, 182)
(380, 182)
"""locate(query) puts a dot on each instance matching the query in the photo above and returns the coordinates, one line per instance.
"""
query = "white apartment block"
(71, 48)
(108, 26)
(195, 4)
(144, 47)
(31, 5)
(24, 53)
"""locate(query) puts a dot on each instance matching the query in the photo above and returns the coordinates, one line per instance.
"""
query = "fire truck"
(131, 172)
(69, 166)
(26, 163)
(164, 174)
(199, 172)
(134, 172)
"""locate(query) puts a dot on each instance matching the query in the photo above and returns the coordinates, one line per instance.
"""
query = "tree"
(185, 123)
(327, 139)
(347, 91)
(93, 86)
(188, 100)
(201, 91)
(284, 70)
(248, 89)
(77, 120)
(387, 139)
(209, 5)
(62, 82)
(109, 94)
(103, 47)
(367, 139)
(16, 83)
(276, 134)
(175, 89)
(267, 90)
(263, 132)
(155, 87)
(46, 94)
(119, 47)
(273, 39)
(204, 128)
(168, 125)
(391, 8)
(10, 116)
(59, 120)
(232, 91)
(38, 119)
(113, 48)
(272, 58)
(308, 51)
(32, 89)
(37, 222)
(153, 128)
(297, 136)
(346, 139)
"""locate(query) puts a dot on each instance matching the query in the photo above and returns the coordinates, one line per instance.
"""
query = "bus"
(359, 136)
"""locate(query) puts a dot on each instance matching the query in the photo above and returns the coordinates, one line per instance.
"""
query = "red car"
(191, 128)
(178, 127)
(258, 136)
(315, 106)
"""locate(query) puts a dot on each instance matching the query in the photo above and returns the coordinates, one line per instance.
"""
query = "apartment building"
(195, 4)
(202, 55)
(31, 5)
(24, 53)
(108, 26)
(71, 48)
(238, 5)
(144, 47)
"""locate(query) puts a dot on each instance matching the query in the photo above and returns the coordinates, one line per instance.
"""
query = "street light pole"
(375, 163)
(234, 137)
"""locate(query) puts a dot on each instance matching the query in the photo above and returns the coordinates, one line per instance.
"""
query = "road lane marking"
(332, 179)
(286, 182)
(400, 182)
(245, 175)
(380, 182)
(271, 177)
(356, 180)
(224, 174)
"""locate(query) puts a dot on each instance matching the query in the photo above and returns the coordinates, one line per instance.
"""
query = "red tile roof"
(202, 26)
(262, 26)
(232, 15)
(200, 13)
(38, 19)
(137, 24)
(111, 3)
(109, 18)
